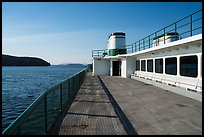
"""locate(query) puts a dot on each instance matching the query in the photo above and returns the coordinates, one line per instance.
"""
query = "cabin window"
(143, 65)
(171, 66)
(138, 65)
(189, 66)
(159, 65)
(150, 65)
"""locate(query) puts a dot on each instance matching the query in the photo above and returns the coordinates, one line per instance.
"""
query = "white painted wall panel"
(131, 66)
(128, 67)
(101, 67)
(123, 68)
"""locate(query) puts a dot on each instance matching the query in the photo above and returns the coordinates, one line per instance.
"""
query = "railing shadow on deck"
(130, 130)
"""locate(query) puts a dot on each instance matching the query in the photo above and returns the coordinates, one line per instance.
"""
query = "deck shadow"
(130, 130)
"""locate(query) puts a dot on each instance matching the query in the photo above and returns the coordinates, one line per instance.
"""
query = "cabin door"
(116, 68)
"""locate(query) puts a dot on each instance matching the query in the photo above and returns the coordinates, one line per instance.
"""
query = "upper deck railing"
(188, 26)
(38, 118)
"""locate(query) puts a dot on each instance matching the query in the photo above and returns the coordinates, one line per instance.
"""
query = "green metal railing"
(188, 26)
(99, 53)
(40, 115)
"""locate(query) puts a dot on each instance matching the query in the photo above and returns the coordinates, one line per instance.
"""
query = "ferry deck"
(112, 105)
(151, 87)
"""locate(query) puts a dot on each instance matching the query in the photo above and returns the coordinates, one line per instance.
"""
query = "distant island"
(75, 64)
(8, 60)
(72, 64)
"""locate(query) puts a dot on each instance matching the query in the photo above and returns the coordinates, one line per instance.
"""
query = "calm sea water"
(22, 85)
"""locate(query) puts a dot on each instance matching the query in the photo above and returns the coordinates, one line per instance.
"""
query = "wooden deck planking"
(91, 113)
(150, 110)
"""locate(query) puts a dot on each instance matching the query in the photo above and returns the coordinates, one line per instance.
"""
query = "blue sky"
(67, 32)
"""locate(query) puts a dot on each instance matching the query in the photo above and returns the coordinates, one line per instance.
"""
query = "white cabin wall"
(128, 66)
(123, 68)
(199, 65)
(131, 66)
(111, 68)
(101, 67)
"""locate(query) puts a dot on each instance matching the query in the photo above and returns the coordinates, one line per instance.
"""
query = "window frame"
(166, 72)
(138, 61)
(143, 65)
(181, 67)
(162, 60)
(150, 64)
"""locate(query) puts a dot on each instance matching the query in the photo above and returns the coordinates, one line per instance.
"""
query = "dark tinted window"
(171, 66)
(159, 65)
(137, 64)
(143, 65)
(189, 66)
(150, 65)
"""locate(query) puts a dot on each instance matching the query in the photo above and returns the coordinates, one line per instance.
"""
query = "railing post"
(164, 36)
(61, 97)
(143, 44)
(74, 83)
(77, 87)
(71, 87)
(68, 89)
(45, 111)
(77, 82)
(191, 25)
(156, 39)
(132, 48)
(175, 28)
(149, 41)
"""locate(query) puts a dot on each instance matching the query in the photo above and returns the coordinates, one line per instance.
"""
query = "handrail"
(21, 124)
(174, 27)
